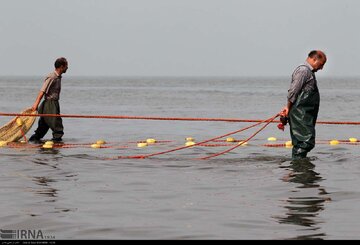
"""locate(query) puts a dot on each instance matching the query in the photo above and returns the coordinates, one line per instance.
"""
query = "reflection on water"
(45, 187)
(306, 201)
(44, 182)
(46, 179)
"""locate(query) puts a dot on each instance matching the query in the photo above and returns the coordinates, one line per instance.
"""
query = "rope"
(243, 142)
(164, 118)
(22, 131)
(23, 134)
(322, 143)
(184, 147)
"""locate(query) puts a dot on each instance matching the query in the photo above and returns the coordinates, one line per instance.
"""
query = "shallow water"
(253, 192)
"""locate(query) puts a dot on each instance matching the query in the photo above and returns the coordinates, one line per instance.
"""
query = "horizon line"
(184, 76)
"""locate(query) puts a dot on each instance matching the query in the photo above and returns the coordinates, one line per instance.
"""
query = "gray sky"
(178, 37)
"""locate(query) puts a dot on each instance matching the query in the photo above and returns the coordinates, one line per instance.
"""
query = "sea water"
(252, 192)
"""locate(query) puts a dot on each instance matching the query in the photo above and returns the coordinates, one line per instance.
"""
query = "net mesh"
(17, 127)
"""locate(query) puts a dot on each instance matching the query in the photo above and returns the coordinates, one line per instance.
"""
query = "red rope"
(274, 145)
(322, 143)
(215, 145)
(184, 147)
(243, 142)
(21, 131)
(162, 118)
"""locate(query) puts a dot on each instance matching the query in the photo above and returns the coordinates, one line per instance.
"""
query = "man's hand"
(34, 107)
(283, 118)
(284, 112)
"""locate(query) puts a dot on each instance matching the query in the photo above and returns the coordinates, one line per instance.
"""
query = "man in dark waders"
(303, 104)
(51, 92)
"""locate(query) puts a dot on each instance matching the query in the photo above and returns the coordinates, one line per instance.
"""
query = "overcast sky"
(178, 37)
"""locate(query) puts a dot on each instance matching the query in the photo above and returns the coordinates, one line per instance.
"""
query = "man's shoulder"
(51, 75)
(303, 68)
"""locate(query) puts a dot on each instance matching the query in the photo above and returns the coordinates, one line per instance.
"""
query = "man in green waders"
(303, 104)
(51, 92)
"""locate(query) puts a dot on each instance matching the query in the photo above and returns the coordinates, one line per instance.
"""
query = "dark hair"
(315, 53)
(60, 62)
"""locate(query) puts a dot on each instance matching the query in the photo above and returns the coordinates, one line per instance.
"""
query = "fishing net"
(17, 127)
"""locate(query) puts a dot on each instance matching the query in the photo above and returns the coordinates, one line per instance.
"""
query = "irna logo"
(22, 234)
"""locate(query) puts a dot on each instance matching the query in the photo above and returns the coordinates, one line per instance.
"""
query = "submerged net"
(17, 127)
